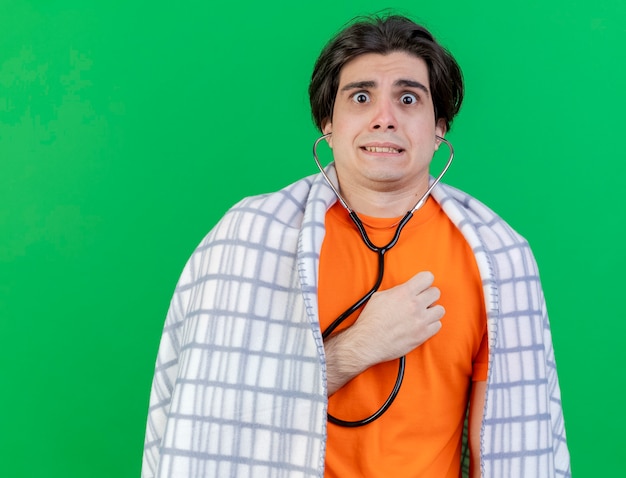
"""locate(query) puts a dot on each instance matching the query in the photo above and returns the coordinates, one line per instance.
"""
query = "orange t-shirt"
(420, 434)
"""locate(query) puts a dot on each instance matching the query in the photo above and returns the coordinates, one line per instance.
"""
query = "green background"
(128, 127)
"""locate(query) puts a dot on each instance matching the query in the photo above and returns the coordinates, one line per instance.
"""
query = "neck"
(382, 203)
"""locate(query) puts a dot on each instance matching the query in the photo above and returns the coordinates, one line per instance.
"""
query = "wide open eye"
(408, 99)
(361, 97)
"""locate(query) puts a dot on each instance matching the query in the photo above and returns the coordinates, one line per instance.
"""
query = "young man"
(250, 380)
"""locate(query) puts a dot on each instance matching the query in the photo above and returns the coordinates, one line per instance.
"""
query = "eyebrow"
(355, 85)
(412, 84)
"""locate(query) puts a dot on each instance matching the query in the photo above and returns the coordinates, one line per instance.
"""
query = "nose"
(384, 118)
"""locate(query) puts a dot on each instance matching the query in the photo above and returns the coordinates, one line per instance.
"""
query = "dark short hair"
(384, 35)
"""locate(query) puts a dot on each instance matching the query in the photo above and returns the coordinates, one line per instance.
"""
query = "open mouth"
(381, 149)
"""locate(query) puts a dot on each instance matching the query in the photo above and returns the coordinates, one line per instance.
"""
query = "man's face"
(383, 125)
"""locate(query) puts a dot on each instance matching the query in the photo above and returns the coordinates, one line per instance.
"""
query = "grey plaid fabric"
(240, 383)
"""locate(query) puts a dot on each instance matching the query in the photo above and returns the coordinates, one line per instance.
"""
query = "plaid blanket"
(239, 388)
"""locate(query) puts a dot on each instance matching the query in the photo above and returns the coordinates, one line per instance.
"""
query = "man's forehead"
(405, 66)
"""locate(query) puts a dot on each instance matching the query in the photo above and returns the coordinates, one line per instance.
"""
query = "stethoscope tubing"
(419, 203)
(380, 251)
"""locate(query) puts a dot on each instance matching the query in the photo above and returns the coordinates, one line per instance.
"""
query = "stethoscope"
(380, 251)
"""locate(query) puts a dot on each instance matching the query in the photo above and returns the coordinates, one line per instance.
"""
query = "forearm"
(477, 404)
(345, 358)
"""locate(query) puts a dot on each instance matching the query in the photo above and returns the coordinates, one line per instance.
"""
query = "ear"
(326, 129)
(440, 130)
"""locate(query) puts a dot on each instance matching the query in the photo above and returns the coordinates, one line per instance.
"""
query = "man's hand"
(393, 323)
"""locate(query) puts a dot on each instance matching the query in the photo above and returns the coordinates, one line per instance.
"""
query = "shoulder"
(501, 252)
(256, 226)
(468, 212)
(250, 217)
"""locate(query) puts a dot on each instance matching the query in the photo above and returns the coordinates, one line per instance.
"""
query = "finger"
(420, 281)
(436, 312)
(434, 328)
(429, 296)
(430, 330)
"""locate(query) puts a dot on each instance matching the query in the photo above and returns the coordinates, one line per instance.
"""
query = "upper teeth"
(380, 149)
